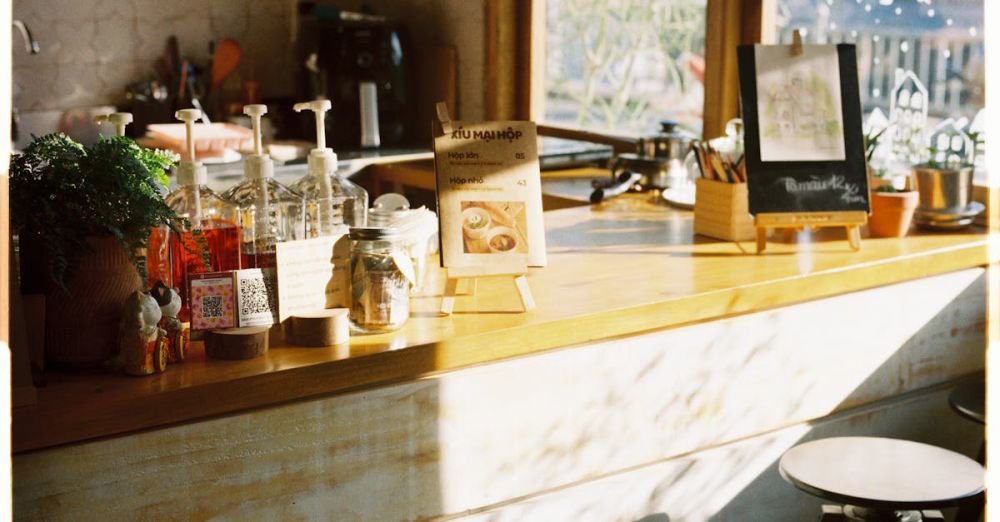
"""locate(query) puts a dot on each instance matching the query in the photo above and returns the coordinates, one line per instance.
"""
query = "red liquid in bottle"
(222, 241)
(263, 260)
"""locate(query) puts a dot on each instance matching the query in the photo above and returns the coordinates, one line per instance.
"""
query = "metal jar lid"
(374, 234)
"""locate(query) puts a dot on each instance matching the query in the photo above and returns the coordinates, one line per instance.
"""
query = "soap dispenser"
(331, 198)
(212, 243)
(269, 212)
(118, 119)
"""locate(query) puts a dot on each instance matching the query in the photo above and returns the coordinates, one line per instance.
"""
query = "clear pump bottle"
(212, 243)
(331, 198)
(269, 212)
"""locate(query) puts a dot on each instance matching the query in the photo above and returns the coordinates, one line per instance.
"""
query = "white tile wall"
(92, 48)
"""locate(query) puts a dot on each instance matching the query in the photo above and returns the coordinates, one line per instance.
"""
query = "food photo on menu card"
(494, 227)
(489, 196)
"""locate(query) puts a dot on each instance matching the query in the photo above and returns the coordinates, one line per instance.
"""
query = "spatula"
(227, 57)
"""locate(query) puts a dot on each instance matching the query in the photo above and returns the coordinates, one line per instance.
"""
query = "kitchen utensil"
(658, 158)
(657, 173)
(670, 143)
(182, 85)
(191, 76)
(625, 181)
(172, 60)
(227, 56)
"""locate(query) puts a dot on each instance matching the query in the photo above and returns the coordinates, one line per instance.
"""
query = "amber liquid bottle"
(211, 244)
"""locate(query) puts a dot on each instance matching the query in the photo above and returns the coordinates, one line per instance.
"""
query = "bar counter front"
(665, 371)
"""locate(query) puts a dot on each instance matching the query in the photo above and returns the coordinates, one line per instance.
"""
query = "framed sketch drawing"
(802, 129)
(798, 104)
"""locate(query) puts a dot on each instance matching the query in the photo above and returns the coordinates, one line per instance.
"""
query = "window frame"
(515, 48)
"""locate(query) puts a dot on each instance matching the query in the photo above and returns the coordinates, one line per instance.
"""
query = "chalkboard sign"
(802, 129)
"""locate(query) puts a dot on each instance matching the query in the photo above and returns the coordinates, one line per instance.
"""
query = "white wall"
(92, 48)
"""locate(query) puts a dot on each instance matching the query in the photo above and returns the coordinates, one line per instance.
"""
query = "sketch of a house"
(795, 107)
(950, 143)
(908, 116)
(877, 122)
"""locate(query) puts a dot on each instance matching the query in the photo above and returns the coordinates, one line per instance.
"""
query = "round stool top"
(970, 400)
(882, 473)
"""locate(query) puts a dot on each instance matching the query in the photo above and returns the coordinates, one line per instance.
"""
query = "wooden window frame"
(515, 48)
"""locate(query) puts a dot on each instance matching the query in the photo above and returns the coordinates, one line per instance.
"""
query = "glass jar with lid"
(381, 275)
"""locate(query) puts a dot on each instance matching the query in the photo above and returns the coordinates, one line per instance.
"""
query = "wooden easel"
(851, 220)
(472, 274)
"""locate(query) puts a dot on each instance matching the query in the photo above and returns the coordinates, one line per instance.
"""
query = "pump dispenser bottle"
(269, 212)
(118, 119)
(213, 229)
(331, 198)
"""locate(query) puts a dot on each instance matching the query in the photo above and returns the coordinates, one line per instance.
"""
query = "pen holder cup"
(721, 211)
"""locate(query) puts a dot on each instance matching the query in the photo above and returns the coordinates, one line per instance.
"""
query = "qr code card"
(256, 297)
(213, 301)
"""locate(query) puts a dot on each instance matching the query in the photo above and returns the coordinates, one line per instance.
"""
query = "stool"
(881, 479)
(969, 401)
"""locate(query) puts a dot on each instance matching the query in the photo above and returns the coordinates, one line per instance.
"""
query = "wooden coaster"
(320, 328)
(236, 343)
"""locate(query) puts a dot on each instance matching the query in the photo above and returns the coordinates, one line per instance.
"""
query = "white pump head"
(322, 160)
(259, 165)
(190, 171)
(319, 107)
(118, 119)
(255, 111)
(189, 116)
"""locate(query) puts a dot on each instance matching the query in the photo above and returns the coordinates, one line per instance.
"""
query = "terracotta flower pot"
(892, 213)
(81, 327)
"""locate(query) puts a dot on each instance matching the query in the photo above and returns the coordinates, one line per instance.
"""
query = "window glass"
(939, 41)
(625, 65)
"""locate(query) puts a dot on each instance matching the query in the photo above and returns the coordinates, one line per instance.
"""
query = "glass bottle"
(381, 274)
(211, 244)
(331, 198)
(269, 212)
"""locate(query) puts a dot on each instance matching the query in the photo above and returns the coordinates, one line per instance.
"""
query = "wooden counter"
(623, 267)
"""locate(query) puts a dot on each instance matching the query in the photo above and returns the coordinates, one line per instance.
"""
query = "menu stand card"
(313, 274)
(489, 200)
(802, 130)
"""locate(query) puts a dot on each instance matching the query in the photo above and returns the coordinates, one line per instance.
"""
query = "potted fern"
(83, 217)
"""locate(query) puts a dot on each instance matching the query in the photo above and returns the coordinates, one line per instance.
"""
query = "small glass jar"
(381, 274)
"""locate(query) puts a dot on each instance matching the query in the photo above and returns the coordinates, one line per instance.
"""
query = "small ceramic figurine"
(142, 344)
(177, 333)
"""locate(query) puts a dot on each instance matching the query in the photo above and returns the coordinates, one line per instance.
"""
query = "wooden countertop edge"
(30, 432)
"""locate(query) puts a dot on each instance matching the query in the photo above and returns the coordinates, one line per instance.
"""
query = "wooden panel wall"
(651, 409)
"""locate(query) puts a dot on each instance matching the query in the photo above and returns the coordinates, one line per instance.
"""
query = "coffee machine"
(360, 63)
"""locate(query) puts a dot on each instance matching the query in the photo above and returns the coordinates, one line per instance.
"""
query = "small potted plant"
(944, 181)
(892, 206)
(83, 216)
(876, 176)
(892, 210)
